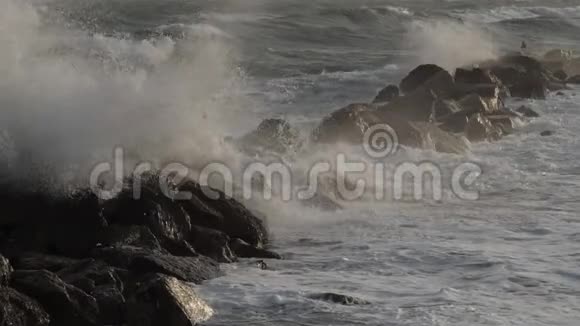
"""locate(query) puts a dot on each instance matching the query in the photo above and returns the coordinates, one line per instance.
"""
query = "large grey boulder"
(164, 300)
(428, 77)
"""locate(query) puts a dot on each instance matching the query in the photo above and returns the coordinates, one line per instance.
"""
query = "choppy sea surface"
(169, 79)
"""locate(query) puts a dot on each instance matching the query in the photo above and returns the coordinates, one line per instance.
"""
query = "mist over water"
(68, 97)
(169, 80)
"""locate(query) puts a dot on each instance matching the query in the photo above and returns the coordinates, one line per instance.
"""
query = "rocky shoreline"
(80, 260)
(434, 109)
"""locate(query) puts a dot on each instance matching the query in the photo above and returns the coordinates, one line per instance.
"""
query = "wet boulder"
(561, 75)
(387, 94)
(244, 250)
(89, 274)
(350, 124)
(446, 108)
(525, 77)
(112, 305)
(212, 243)
(346, 125)
(482, 82)
(17, 309)
(527, 112)
(129, 235)
(461, 111)
(66, 304)
(102, 282)
(476, 76)
(503, 122)
(339, 299)
(440, 140)
(272, 135)
(5, 270)
(428, 77)
(455, 123)
(37, 261)
(211, 208)
(480, 128)
(141, 261)
(473, 103)
(416, 106)
(163, 300)
(546, 133)
(166, 219)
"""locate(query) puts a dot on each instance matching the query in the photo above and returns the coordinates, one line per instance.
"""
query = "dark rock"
(347, 125)
(561, 75)
(140, 261)
(455, 123)
(430, 78)
(473, 104)
(480, 128)
(17, 309)
(527, 112)
(274, 135)
(224, 214)
(546, 133)
(166, 219)
(524, 76)
(387, 94)
(111, 304)
(5, 271)
(485, 91)
(212, 243)
(102, 282)
(476, 76)
(446, 108)
(129, 235)
(89, 274)
(416, 106)
(339, 299)
(36, 261)
(350, 124)
(502, 122)
(439, 140)
(573, 80)
(181, 248)
(530, 88)
(244, 250)
(262, 265)
(66, 304)
(560, 94)
(65, 226)
(162, 300)
(482, 82)
(470, 105)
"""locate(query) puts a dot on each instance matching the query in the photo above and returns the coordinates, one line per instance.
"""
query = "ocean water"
(168, 80)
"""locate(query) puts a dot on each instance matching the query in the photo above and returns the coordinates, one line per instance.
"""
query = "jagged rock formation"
(83, 261)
